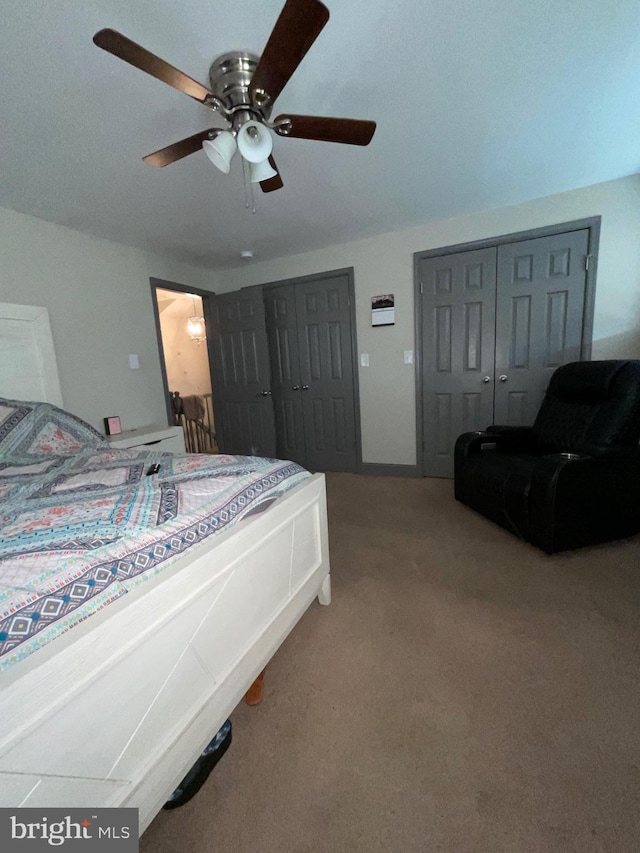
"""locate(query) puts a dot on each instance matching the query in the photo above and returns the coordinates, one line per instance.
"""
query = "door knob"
(264, 394)
(305, 387)
(486, 379)
(295, 387)
(503, 378)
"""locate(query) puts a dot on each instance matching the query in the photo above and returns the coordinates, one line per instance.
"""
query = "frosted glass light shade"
(220, 150)
(261, 171)
(254, 142)
(196, 329)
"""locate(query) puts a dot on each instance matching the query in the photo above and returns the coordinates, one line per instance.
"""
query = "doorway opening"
(185, 360)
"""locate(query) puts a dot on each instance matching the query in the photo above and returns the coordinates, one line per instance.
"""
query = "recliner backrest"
(591, 407)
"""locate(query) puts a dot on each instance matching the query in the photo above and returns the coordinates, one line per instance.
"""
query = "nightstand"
(167, 439)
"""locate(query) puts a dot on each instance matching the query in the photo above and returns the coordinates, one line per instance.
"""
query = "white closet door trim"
(28, 366)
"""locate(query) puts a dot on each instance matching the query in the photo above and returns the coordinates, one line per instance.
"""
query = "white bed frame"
(115, 712)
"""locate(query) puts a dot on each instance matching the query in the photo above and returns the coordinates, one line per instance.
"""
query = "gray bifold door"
(240, 371)
(313, 383)
(496, 323)
(458, 343)
(539, 319)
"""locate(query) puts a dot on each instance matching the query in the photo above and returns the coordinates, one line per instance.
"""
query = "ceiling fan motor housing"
(230, 76)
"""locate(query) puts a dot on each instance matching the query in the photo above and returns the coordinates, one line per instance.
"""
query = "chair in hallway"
(571, 479)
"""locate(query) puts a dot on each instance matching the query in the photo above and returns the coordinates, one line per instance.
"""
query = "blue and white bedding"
(82, 524)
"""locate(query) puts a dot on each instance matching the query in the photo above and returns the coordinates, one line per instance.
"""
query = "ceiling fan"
(243, 90)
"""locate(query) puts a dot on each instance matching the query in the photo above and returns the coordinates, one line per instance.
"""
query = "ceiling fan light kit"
(243, 90)
(259, 172)
(220, 150)
(254, 142)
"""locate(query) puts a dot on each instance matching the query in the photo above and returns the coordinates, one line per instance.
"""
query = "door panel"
(309, 328)
(327, 382)
(540, 304)
(458, 331)
(240, 358)
(282, 331)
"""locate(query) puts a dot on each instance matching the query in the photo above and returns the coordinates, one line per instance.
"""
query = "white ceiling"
(478, 105)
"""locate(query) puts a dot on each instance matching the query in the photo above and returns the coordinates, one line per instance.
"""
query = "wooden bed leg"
(253, 696)
(324, 596)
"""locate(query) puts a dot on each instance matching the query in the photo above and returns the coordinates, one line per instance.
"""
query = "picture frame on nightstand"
(112, 425)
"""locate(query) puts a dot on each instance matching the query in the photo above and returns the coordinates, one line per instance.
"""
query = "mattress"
(82, 524)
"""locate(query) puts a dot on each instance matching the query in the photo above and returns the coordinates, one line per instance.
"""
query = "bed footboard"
(119, 713)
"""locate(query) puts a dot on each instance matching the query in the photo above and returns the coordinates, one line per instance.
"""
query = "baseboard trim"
(389, 470)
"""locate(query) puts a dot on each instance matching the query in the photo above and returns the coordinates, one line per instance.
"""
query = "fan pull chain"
(249, 198)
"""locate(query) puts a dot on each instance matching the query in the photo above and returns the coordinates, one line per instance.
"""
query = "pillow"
(39, 429)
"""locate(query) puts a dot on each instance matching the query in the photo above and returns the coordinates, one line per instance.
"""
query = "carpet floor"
(463, 693)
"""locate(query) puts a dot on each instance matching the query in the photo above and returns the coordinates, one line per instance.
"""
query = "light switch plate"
(408, 356)
(134, 361)
(364, 359)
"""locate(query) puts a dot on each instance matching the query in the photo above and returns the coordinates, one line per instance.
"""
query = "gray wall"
(384, 264)
(99, 303)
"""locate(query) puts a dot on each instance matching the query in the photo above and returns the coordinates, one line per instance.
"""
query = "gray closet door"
(539, 319)
(282, 331)
(241, 386)
(458, 334)
(309, 329)
(323, 319)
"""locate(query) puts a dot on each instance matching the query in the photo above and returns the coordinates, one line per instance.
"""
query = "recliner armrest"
(501, 438)
(499, 429)
(582, 487)
(575, 472)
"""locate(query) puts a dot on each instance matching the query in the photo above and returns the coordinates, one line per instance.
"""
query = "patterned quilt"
(81, 524)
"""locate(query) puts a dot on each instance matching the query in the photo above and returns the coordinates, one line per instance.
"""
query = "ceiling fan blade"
(349, 131)
(122, 47)
(168, 155)
(298, 26)
(274, 183)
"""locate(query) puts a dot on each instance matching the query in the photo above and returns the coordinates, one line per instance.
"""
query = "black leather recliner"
(571, 479)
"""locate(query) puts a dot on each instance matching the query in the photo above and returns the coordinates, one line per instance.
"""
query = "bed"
(198, 576)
